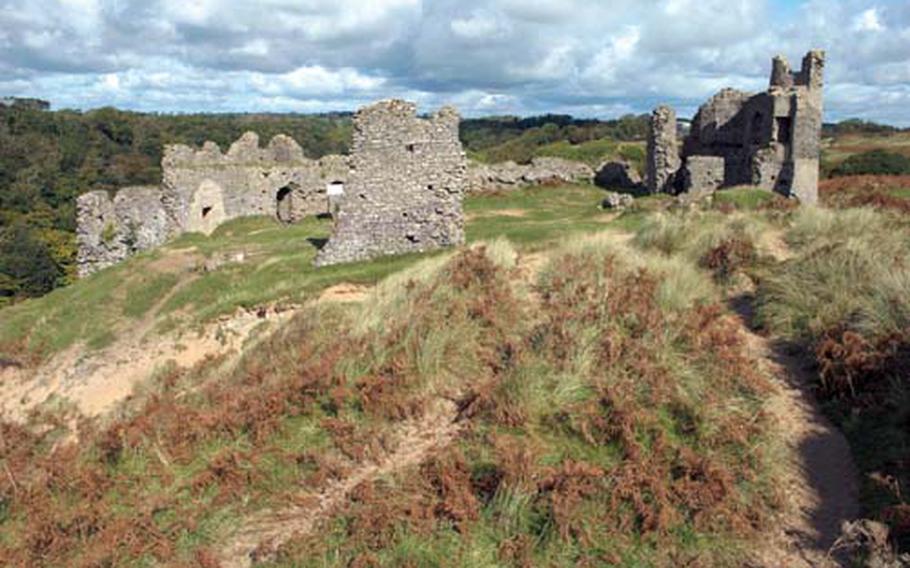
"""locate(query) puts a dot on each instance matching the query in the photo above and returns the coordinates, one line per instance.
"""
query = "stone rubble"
(617, 201)
(541, 171)
(618, 175)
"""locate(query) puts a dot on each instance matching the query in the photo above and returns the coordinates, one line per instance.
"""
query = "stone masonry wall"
(109, 230)
(541, 170)
(663, 150)
(703, 174)
(247, 180)
(406, 185)
(202, 189)
(769, 140)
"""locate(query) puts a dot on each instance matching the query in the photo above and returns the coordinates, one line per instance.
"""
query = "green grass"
(145, 291)
(844, 300)
(619, 368)
(595, 152)
(276, 267)
(535, 216)
(744, 198)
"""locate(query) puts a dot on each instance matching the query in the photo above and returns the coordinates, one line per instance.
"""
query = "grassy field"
(196, 279)
(615, 419)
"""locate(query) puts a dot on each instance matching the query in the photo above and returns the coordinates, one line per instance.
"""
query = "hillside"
(576, 386)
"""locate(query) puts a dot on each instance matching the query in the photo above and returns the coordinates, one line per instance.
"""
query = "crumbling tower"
(769, 140)
(663, 150)
(405, 188)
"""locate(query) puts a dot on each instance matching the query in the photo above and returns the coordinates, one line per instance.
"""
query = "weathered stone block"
(703, 174)
(110, 230)
(616, 200)
(618, 175)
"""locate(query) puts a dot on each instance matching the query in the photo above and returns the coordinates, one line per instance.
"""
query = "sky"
(588, 58)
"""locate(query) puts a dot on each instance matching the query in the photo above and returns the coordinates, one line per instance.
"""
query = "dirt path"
(262, 534)
(819, 485)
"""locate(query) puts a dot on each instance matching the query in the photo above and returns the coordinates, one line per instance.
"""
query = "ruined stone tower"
(406, 185)
(769, 140)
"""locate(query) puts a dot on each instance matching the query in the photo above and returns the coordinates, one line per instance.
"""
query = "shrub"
(873, 162)
(728, 257)
(722, 243)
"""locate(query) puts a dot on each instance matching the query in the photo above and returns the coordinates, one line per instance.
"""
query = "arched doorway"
(284, 204)
(335, 193)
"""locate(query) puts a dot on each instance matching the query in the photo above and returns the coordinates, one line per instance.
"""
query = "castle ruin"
(400, 190)
(406, 185)
(201, 189)
(769, 140)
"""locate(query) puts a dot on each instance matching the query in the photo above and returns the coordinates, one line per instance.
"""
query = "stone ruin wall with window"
(770, 140)
(405, 190)
(202, 189)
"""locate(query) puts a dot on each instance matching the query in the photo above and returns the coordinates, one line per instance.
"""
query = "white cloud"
(868, 21)
(486, 56)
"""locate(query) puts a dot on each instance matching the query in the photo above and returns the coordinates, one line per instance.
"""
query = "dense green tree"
(26, 264)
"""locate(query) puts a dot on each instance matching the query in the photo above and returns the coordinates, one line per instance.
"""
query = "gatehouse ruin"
(770, 140)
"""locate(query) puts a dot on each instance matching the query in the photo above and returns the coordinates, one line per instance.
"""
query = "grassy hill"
(575, 386)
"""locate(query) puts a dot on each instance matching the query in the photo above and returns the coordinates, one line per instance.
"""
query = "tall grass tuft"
(844, 298)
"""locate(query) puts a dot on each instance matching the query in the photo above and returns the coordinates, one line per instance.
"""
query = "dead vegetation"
(879, 191)
(842, 301)
(596, 424)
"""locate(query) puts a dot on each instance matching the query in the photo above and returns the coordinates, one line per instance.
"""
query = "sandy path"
(262, 534)
(820, 483)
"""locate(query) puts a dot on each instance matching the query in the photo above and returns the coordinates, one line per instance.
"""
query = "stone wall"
(406, 185)
(703, 174)
(769, 140)
(200, 190)
(111, 229)
(541, 170)
(277, 180)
